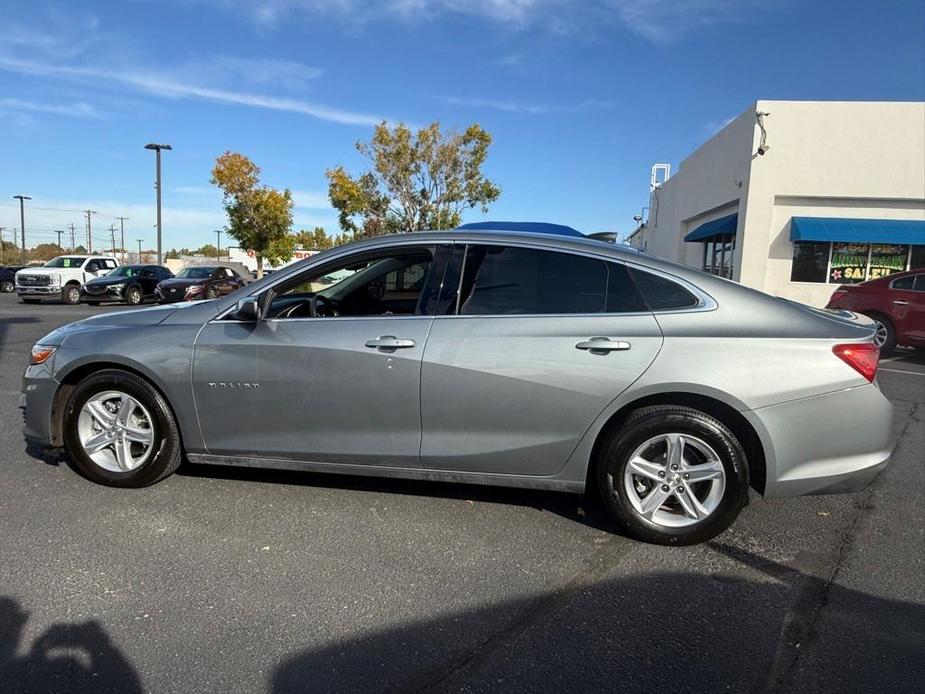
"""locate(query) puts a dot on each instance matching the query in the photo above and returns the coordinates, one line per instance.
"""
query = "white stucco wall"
(826, 159)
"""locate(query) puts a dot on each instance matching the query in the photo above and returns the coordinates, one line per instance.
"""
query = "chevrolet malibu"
(486, 357)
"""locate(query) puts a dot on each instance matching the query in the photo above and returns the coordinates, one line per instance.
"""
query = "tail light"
(863, 357)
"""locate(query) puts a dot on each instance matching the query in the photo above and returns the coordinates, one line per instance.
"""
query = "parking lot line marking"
(900, 371)
(899, 358)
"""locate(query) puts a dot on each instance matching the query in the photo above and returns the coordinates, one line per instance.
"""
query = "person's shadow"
(66, 658)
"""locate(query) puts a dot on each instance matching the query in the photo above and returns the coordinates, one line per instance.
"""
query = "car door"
(908, 309)
(148, 280)
(535, 347)
(306, 384)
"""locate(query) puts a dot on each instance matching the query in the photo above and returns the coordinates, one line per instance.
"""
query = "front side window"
(505, 280)
(388, 284)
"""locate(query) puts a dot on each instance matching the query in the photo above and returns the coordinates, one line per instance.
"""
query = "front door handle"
(389, 343)
(603, 345)
(900, 302)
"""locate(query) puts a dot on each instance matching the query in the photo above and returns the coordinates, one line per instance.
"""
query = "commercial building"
(799, 199)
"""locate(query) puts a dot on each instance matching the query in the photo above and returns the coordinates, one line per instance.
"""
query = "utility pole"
(122, 221)
(139, 251)
(59, 232)
(112, 237)
(157, 149)
(218, 247)
(73, 245)
(22, 223)
(1, 244)
(89, 230)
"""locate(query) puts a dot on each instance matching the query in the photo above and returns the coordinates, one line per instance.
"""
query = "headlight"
(56, 279)
(41, 353)
(195, 289)
(117, 287)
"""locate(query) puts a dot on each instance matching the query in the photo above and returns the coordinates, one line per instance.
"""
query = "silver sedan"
(514, 359)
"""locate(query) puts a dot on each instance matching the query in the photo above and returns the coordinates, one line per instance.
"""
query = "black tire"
(646, 423)
(168, 448)
(133, 296)
(7, 286)
(884, 323)
(30, 301)
(70, 295)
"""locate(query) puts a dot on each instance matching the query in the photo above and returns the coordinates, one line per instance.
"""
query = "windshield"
(126, 271)
(65, 261)
(196, 273)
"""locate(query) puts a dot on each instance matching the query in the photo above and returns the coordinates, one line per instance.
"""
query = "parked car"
(517, 359)
(896, 303)
(130, 284)
(196, 282)
(8, 278)
(61, 277)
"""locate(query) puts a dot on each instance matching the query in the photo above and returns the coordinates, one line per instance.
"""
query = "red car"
(895, 302)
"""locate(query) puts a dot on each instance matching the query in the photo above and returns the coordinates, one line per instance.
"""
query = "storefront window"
(717, 255)
(851, 263)
(810, 261)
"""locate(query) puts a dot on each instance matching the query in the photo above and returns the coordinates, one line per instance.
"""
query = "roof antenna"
(763, 146)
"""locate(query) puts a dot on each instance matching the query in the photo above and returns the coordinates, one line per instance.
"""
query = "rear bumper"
(829, 444)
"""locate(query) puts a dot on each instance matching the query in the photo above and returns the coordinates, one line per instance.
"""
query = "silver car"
(516, 359)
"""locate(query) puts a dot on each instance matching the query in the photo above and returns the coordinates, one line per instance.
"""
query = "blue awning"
(857, 230)
(723, 225)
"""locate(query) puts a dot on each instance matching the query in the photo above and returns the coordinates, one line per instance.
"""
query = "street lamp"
(157, 148)
(22, 224)
(218, 247)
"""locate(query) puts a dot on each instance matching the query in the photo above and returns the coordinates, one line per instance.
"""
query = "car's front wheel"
(71, 294)
(673, 475)
(133, 296)
(7, 286)
(119, 430)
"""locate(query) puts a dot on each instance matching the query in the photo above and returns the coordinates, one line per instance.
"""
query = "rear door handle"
(899, 302)
(603, 345)
(389, 343)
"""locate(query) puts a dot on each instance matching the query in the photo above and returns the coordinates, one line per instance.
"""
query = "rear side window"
(662, 294)
(904, 282)
(503, 280)
(919, 283)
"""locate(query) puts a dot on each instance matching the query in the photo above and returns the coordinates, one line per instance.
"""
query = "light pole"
(122, 237)
(157, 149)
(22, 224)
(59, 232)
(139, 251)
(218, 246)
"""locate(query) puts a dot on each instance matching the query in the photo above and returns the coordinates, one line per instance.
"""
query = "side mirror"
(247, 310)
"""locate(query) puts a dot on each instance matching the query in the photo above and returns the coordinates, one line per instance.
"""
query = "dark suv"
(130, 284)
(8, 278)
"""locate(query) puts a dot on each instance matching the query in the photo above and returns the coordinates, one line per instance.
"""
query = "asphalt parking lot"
(220, 580)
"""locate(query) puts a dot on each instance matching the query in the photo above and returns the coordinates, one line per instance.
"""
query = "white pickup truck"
(61, 277)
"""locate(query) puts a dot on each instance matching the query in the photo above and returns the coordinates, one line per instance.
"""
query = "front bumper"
(828, 444)
(106, 295)
(169, 296)
(37, 291)
(36, 402)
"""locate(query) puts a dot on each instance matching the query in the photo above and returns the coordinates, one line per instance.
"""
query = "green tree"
(422, 180)
(172, 254)
(44, 251)
(315, 240)
(207, 250)
(259, 217)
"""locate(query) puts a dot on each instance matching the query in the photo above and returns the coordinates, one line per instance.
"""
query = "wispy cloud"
(311, 200)
(521, 107)
(160, 85)
(79, 109)
(660, 21)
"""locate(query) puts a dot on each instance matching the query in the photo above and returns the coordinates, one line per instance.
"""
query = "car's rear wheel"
(119, 431)
(885, 337)
(71, 294)
(673, 475)
(133, 296)
(7, 286)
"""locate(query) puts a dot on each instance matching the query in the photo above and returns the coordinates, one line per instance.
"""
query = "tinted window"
(502, 280)
(622, 294)
(919, 283)
(903, 282)
(810, 261)
(662, 294)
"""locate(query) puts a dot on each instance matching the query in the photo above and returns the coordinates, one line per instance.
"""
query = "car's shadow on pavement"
(584, 509)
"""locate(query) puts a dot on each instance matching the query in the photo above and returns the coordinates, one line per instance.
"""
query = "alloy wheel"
(116, 431)
(882, 334)
(674, 480)
(6, 286)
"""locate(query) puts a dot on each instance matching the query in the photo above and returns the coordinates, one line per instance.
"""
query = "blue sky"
(580, 97)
